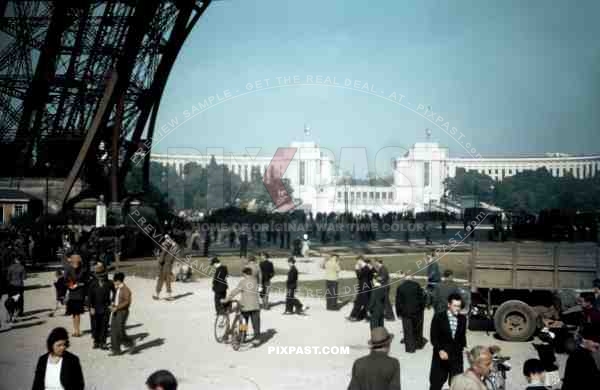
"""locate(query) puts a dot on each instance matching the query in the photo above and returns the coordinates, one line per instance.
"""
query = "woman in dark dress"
(76, 283)
(58, 367)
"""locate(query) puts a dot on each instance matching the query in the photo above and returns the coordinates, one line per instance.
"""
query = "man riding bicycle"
(249, 302)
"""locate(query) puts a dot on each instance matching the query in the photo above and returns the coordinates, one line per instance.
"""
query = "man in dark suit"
(448, 337)
(376, 308)
(206, 243)
(243, 243)
(291, 301)
(100, 296)
(581, 370)
(376, 371)
(384, 277)
(219, 283)
(410, 305)
(267, 271)
(361, 301)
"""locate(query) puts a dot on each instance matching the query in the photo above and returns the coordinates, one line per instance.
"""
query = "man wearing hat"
(219, 283)
(376, 370)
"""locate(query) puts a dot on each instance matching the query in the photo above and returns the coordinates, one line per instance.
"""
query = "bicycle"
(236, 328)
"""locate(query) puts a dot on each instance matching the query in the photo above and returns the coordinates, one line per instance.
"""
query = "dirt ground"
(178, 336)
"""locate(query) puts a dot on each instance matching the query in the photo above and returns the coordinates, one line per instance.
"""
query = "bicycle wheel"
(221, 327)
(236, 338)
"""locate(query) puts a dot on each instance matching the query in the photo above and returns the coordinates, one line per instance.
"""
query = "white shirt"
(117, 296)
(52, 378)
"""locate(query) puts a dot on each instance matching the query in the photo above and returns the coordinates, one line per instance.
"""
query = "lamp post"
(165, 179)
(345, 196)
(475, 206)
(492, 187)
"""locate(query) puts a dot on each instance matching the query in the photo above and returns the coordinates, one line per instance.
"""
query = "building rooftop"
(15, 195)
(529, 155)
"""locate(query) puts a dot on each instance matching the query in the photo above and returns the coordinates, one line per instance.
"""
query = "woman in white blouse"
(58, 369)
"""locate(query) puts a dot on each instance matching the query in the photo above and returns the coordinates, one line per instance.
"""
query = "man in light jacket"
(332, 271)
(249, 301)
(165, 268)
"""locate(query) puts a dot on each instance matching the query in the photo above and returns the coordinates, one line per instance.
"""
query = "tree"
(200, 188)
(471, 183)
(530, 191)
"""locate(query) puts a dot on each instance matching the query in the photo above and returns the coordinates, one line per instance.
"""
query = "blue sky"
(514, 77)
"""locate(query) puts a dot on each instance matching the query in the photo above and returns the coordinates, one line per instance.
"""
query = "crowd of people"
(237, 229)
(108, 302)
(448, 338)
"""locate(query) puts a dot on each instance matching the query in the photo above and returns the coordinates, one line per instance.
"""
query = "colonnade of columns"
(498, 170)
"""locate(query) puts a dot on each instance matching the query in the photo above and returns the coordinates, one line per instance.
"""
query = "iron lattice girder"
(80, 43)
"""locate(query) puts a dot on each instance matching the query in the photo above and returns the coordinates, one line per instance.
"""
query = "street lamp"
(345, 196)
(165, 179)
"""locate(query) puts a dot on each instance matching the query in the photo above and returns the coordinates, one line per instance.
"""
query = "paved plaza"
(178, 336)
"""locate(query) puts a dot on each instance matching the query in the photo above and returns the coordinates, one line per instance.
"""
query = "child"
(533, 370)
(60, 287)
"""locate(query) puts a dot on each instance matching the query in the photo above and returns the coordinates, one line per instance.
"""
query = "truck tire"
(515, 321)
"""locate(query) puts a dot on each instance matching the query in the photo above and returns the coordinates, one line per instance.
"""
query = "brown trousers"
(164, 276)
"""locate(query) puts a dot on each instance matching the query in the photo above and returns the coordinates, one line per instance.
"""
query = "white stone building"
(418, 176)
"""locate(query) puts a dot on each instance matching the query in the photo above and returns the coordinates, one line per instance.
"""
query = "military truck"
(511, 281)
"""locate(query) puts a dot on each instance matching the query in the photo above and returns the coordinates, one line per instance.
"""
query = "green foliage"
(214, 186)
(530, 191)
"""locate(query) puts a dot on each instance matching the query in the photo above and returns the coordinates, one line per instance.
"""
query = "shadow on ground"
(179, 296)
(32, 312)
(36, 286)
(274, 304)
(88, 331)
(22, 326)
(266, 337)
(150, 344)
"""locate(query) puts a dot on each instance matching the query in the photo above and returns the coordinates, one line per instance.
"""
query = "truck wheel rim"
(515, 323)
